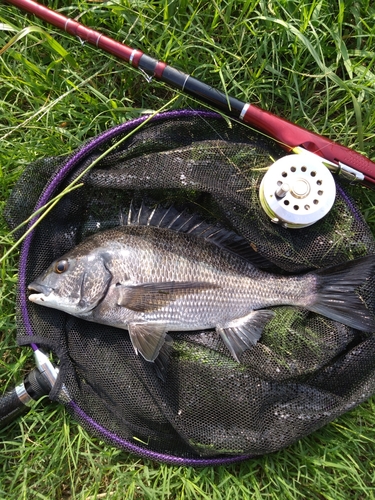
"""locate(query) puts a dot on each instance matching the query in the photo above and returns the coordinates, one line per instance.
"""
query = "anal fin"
(243, 333)
(147, 339)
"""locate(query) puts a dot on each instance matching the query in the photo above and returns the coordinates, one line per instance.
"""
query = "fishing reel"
(297, 190)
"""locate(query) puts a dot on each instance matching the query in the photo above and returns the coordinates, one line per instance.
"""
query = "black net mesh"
(305, 371)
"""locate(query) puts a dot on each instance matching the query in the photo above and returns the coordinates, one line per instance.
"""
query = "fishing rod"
(295, 139)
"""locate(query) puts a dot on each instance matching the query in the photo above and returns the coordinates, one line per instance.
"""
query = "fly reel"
(297, 190)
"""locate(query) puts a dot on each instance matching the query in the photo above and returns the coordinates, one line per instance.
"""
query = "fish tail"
(336, 296)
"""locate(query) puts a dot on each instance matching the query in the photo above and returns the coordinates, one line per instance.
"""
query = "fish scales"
(154, 257)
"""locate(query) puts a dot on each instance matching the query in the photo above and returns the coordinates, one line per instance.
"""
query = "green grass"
(311, 61)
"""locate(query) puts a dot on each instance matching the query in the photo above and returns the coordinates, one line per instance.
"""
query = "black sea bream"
(153, 280)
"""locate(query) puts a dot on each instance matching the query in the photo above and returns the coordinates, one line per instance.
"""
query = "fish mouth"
(43, 291)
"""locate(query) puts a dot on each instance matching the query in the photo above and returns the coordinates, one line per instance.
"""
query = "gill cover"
(73, 284)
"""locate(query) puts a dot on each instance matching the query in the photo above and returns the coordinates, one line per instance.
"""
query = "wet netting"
(207, 409)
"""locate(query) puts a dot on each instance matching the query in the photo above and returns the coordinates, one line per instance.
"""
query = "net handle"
(18, 400)
(352, 164)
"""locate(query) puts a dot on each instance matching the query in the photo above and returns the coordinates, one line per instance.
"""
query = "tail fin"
(336, 297)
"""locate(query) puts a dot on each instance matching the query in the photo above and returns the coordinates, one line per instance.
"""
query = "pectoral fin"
(153, 296)
(242, 333)
(147, 339)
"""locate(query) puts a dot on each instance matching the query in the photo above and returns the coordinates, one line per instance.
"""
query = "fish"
(165, 271)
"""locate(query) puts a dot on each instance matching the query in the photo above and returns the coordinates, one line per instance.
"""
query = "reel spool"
(297, 190)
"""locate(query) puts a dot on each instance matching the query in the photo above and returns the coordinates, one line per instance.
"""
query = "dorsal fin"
(184, 222)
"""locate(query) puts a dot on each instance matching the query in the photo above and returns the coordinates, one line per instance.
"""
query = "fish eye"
(61, 266)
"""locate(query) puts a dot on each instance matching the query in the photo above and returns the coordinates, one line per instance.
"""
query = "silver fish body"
(153, 280)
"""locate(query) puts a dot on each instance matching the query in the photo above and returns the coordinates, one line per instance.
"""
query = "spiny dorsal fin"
(184, 222)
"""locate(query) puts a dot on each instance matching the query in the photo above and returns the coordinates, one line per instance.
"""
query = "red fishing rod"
(293, 138)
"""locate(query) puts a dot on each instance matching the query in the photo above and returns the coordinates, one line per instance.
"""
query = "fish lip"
(38, 287)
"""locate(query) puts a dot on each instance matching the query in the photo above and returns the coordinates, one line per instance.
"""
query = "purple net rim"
(48, 192)
(153, 455)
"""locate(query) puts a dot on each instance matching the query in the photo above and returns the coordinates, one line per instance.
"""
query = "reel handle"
(17, 401)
